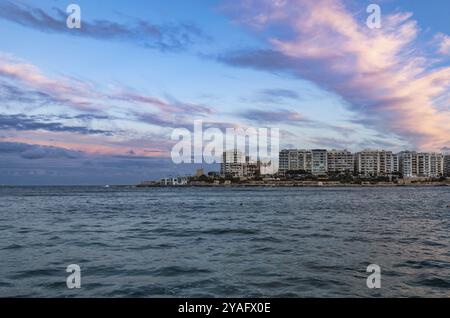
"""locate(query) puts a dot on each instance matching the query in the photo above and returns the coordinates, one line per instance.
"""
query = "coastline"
(299, 185)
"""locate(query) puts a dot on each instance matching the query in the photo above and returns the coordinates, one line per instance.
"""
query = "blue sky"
(115, 89)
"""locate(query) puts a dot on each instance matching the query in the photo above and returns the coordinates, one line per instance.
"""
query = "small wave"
(178, 270)
(13, 247)
(432, 243)
(214, 231)
(152, 247)
(266, 239)
(422, 264)
(433, 282)
(34, 273)
(230, 231)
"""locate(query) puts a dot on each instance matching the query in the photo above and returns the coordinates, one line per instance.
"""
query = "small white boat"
(107, 186)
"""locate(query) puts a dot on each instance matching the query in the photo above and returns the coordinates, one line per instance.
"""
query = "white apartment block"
(232, 164)
(376, 163)
(369, 163)
(340, 161)
(436, 165)
(447, 165)
(407, 164)
(236, 164)
(294, 159)
(319, 162)
(422, 165)
(312, 161)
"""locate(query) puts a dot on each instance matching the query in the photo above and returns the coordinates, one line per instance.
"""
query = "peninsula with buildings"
(321, 167)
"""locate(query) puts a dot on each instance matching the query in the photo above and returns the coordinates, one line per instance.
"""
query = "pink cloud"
(388, 83)
(443, 41)
(63, 88)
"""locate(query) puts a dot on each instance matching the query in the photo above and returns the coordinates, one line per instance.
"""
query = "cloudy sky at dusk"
(98, 105)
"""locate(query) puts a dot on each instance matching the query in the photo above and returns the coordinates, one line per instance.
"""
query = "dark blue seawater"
(227, 242)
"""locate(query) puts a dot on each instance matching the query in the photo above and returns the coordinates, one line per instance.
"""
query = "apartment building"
(294, 160)
(408, 164)
(235, 164)
(447, 165)
(436, 165)
(319, 162)
(376, 163)
(369, 163)
(232, 164)
(340, 161)
(422, 165)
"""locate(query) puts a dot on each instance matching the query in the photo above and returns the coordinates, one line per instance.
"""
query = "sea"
(225, 242)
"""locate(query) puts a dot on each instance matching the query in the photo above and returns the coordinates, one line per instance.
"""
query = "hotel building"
(375, 163)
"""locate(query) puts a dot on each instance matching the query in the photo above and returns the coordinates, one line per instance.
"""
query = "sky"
(98, 105)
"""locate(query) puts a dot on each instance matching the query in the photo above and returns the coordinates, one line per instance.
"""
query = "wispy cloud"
(443, 41)
(167, 37)
(380, 73)
(22, 122)
(280, 93)
(164, 106)
(274, 116)
(33, 84)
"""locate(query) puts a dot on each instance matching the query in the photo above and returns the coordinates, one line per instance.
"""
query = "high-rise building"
(367, 163)
(251, 169)
(447, 165)
(407, 163)
(340, 161)
(319, 162)
(423, 165)
(233, 162)
(295, 160)
(388, 163)
(436, 165)
(376, 163)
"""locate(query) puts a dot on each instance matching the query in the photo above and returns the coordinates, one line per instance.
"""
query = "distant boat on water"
(107, 186)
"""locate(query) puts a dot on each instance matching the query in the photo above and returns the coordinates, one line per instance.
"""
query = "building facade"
(340, 161)
(421, 165)
(367, 163)
(376, 163)
(447, 165)
(319, 162)
(295, 160)
(407, 164)
(232, 164)
(236, 165)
